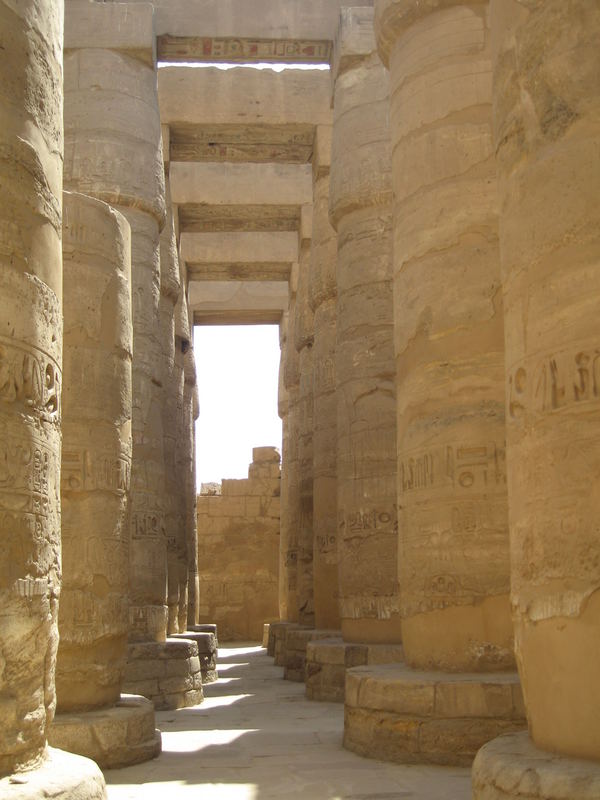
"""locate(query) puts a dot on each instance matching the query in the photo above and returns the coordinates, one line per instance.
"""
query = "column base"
(209, 627)
(113, 737)
(277, 636)
(265, 638)
(296, 642)
(328, 659)
(513, 767)
(207, 652)
(168, 673)
(406, 716)
(62, 776)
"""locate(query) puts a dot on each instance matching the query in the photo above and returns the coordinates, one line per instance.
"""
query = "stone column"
(175, 518)
(282, 410)
(449, 345)
(290, 486)
(96, 467)
(191, 412)
(361, 212)
(303, 339)
(31, 147)
(547, 129)
(113, 151)
(322, 298)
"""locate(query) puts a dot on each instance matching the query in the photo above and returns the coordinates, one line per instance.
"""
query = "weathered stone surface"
(327, 661)
(512, 767)
(31, 143)
(96, 455)
(212, 96)
(168, 673)
(360, 204)
(454, 555)
(61, 776)
(322, 298)
(399, 714)
(303, 342)
(265, 639)
(278, 630)
(238, 552)
(207, 652)
(116, 737)
(290, 486)
(296, 642)
(172, 421)
(113, 152)
(546, 109)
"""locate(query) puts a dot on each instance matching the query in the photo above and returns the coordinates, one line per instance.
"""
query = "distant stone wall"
(238, 550)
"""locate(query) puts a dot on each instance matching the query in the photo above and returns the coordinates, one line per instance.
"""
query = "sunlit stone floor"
(256, 736)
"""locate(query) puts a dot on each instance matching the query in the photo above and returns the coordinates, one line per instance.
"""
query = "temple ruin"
(420, 217)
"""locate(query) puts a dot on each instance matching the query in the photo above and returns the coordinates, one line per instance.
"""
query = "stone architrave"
(546, 120)
(175, 518)
(322, 298)
(96, 455)
(361, 212)
(303, 340)
(31, 147)
(113, 152)
(449, 337)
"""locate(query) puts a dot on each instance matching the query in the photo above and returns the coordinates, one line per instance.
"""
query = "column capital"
(393, 17)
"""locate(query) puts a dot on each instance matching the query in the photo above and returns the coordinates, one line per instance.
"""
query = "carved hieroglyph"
(303, 337)
(322, 298)
(113, 152)
(361, 210)
(546, 110)
(96, 455)
(31, 143)
(454, 570)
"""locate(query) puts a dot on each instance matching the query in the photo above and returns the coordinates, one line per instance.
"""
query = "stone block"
(115, 737)
(265, 455)
(427, 717)
(61, 776)
(512, 767)
(127, 27)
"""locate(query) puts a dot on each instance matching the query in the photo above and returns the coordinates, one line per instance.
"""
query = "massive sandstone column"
(175, 517)
(322, 299)
(290, 486)
(283, 412)
(361, 212)
(113, 152)
(96, 467)
(449, 346)
(303, 340)
(96, 456)
(547, 129)
(191, 412)
(31, 146)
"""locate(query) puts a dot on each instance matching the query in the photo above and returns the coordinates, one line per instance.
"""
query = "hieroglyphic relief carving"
(196, 48)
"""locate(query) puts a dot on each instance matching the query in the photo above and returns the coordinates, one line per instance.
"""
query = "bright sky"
(238, 373)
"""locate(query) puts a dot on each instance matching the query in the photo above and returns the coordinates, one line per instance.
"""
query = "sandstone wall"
(238, 551)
